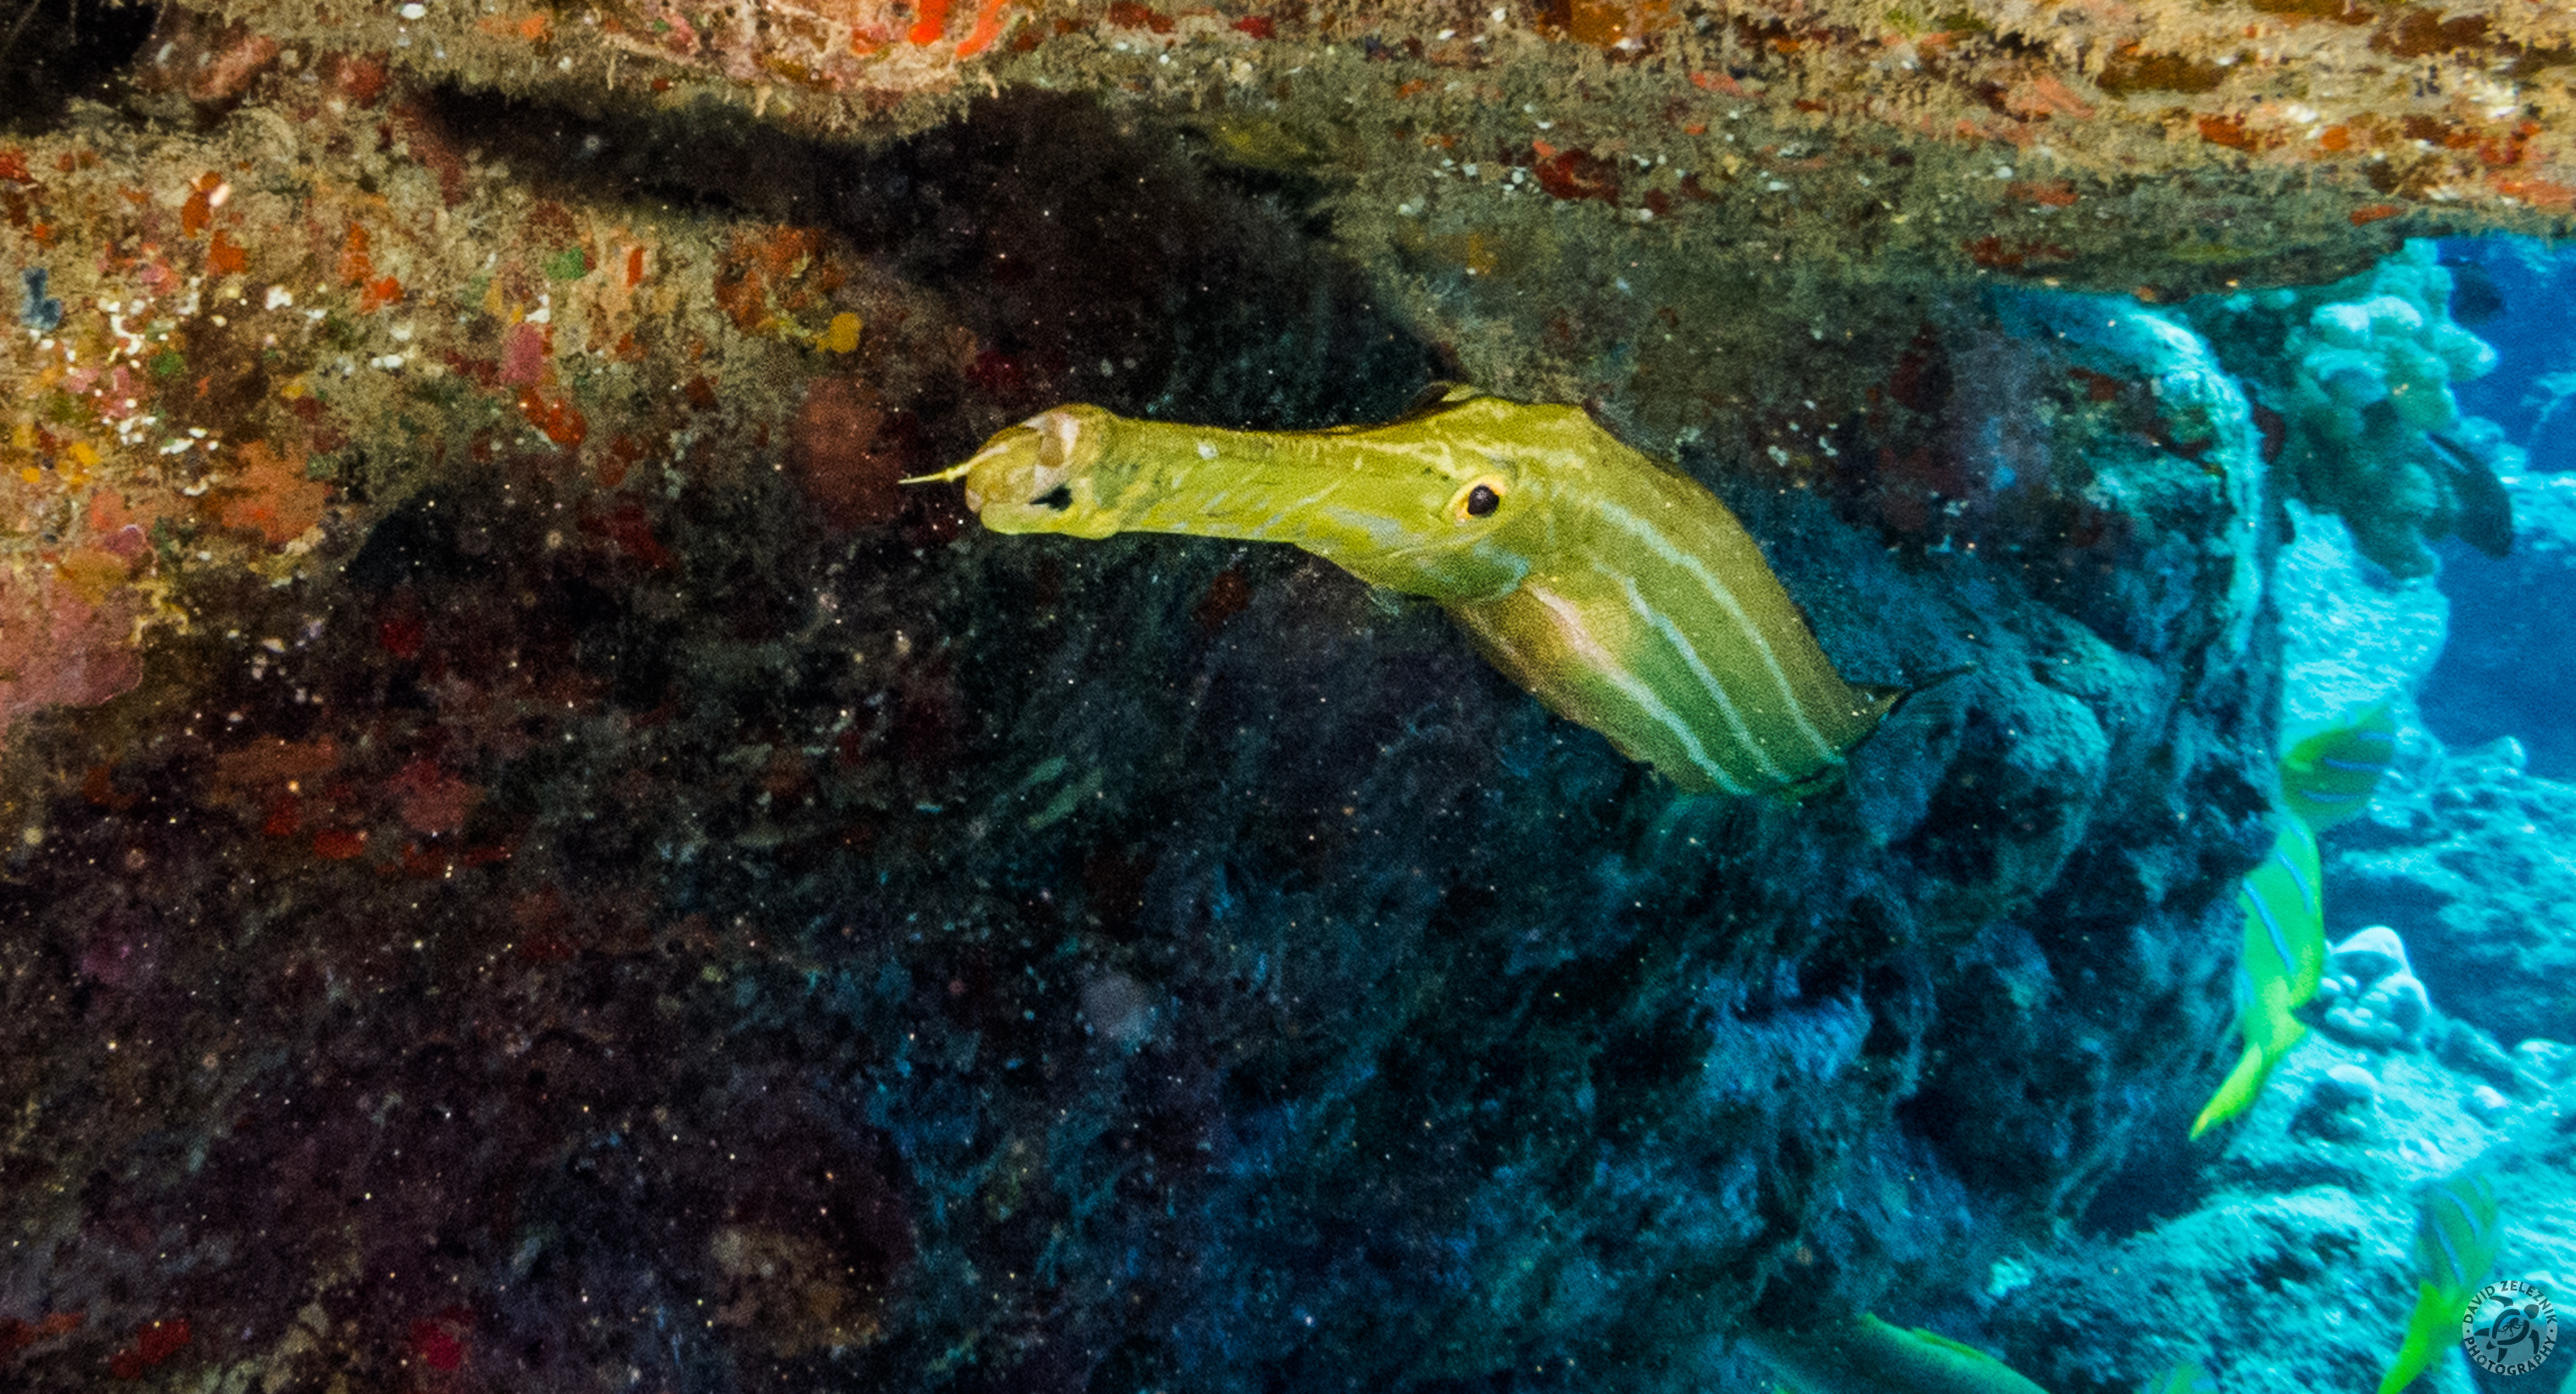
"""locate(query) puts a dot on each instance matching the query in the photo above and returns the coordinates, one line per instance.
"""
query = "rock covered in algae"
(606, 883)
(2308, 1220)
(1639, 202)
(2388, 105)
(2469, 876)
(580, 825)
(232, 349)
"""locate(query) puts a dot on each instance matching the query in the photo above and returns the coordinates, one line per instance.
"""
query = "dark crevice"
(1096, 259)
(52, 51)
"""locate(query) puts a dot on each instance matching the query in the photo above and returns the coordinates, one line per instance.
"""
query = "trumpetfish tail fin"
(1915, 689)
(1878, 701)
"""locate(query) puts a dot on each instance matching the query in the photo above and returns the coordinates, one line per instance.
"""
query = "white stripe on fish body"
(2272, 931)
(1709, 682)
(1577, 634)
(1660, 545)
(2307, 894)
(2354, 767)
(2294, 853)
(2447, 1258)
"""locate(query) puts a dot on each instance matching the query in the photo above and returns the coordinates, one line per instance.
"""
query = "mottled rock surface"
(2305, 1223)
(2478, 878)
(711, 914)
(535, 863)
(2352, 635)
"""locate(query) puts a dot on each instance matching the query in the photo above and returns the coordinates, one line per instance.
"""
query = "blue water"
(2520, 297)
(2510, 662)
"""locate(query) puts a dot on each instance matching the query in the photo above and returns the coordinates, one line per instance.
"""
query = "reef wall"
(572, 825)
(2276, 1254)
(533, 860)
(1706, 222)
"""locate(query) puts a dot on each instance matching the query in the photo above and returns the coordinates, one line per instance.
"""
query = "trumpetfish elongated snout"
(1620, 592)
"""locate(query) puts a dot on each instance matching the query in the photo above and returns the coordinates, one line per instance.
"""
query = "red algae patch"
(59, 646)
(842, 455)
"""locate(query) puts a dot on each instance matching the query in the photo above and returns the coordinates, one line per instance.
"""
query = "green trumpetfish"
(1865, 1355)
(2455, 1241)
(2283, 960)
(1619, 591)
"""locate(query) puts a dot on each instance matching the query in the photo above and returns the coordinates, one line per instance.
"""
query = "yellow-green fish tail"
(2237, 1093)
(1621, 593)
(2428, 1330)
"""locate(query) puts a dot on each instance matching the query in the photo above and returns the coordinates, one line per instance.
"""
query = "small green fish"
(2183, 1379)
(2455, 1241)
(2326, 778)
(1619, 591)
(1865, 1355)
(2330, 776)
(2282, 961)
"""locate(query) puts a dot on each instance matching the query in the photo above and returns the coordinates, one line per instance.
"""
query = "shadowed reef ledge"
(532, 859)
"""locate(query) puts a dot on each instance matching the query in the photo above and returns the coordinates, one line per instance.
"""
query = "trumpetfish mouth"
(1034, 476)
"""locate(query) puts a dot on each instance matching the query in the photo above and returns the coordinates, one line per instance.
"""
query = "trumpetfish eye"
(1059, 498)
(1480, 500)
